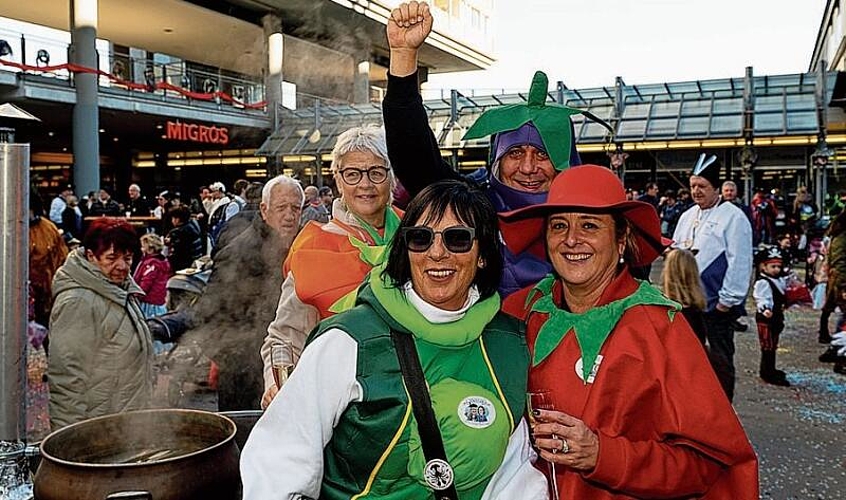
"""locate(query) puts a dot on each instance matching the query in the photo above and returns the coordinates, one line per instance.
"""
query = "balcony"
(38, 68)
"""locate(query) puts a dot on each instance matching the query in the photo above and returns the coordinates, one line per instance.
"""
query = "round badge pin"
(476, 412)
(438, 474)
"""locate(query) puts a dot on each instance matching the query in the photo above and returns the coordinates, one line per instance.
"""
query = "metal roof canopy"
(784, 105)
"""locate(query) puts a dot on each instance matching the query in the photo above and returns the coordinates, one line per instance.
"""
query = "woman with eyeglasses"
(348, 423)
(327, 262)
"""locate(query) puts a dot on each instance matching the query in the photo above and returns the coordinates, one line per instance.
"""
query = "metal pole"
(14, 272)
(86, 111)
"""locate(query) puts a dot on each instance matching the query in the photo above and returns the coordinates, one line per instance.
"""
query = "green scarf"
(592, 327)
(453, 334)
(372, 255)
(376, 254)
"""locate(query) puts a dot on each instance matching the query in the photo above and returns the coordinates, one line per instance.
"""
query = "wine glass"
(281, 362)
(541, 399)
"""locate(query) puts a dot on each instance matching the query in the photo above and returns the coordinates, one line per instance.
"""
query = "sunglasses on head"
(456, 239)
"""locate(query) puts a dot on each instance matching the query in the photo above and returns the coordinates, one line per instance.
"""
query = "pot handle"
(130, 495)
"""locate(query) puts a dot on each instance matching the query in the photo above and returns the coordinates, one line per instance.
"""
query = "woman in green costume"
(343, 426)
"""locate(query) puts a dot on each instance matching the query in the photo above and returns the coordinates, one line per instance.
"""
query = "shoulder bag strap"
(438, 473)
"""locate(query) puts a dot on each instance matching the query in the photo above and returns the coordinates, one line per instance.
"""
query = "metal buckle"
(438, 474)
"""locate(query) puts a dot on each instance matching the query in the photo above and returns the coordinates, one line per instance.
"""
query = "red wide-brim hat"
(585, 188)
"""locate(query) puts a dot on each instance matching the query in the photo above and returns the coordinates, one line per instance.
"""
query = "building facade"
(175, 94)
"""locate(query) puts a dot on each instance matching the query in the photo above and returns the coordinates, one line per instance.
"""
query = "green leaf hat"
(551, 120)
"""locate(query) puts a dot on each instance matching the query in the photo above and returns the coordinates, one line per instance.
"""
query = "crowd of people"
(488, 340)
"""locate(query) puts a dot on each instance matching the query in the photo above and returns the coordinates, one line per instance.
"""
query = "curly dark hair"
(472, 208)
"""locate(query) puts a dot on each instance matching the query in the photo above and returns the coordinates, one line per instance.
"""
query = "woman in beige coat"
(101, 352)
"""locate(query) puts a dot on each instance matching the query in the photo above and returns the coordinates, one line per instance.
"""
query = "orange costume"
(47, 252)
(325, 266)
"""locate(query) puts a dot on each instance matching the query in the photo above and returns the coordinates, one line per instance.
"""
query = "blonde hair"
(152, 242)
(680, 279)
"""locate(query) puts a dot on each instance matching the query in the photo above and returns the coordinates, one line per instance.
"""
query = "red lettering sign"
(174, 131)
(179, 131)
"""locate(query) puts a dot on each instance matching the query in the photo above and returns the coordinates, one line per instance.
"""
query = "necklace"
(702, 216)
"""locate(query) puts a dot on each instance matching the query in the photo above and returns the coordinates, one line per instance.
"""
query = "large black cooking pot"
(171, 454)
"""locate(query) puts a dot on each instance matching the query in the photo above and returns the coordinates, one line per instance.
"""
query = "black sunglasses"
(457, 239)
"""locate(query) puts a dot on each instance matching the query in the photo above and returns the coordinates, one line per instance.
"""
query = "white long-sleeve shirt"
(721, 239)
(283, 457)
(763, 294)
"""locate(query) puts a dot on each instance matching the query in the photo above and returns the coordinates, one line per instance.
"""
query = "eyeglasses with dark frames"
(352, 176)
(456, 239)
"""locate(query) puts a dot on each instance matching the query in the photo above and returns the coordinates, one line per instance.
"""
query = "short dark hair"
(471, 207)
(106, 232)
(253, 193)
(181, 213)
(325, 190)
(670, 194)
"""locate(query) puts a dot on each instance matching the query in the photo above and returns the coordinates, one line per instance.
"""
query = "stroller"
(180, 361)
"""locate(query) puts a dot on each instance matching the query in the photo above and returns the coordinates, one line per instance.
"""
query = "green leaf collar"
(592, 327)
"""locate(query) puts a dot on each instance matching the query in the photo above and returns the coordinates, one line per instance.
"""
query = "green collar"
(593, 327)
(372, 255)
(552, 121)
(454, 334)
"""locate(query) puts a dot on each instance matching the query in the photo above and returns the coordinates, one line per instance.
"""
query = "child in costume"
(769, 294)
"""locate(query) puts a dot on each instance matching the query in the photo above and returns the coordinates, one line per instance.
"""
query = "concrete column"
(86, 118)
(274, 47)
(361, 85)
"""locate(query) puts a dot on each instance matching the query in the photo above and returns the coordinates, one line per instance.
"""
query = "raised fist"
(409, 25)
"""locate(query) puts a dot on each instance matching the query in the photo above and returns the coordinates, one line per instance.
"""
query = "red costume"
(665, 428)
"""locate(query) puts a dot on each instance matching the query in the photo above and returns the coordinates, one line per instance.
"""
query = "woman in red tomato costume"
(638, 411)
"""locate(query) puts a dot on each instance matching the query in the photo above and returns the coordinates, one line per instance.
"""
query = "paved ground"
(799, 432)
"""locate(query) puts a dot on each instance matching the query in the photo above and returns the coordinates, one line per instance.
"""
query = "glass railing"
(176, 79)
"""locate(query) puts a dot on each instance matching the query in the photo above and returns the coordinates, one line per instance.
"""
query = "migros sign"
(181, 131)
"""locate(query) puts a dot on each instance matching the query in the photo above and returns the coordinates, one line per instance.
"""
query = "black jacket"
(233, 313)
(186, 245)
(110, 208)
(139, 207)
